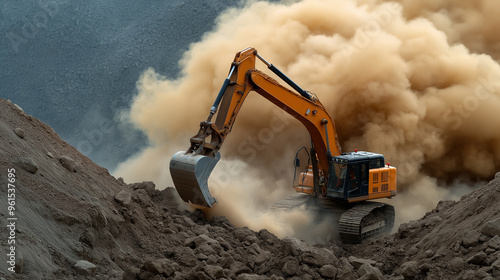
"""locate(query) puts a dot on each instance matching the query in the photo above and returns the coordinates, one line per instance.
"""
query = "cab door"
(357, 179)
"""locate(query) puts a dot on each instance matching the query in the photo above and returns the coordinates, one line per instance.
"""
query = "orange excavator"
(342, 182)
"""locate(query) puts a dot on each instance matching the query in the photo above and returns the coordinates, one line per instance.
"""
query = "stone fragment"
(413, 251)
(471, 239)
(239, 268)
(495, 268)
(254, 249)
(328, 271)
(186, 257)
(242, 233)
(142, 198)
(456, 264)
(479, 259)
(433, 221)
(290, 266)
(199, 240)
(131, 273)
(483, 275)
(145, 275)
(367, 271)
(357, 262)
(491, 228)
(262, 257)
(148, 186)
(314, 258)
(494, 242)
(85, 268)
(214, 271)
(159, 266)
(267, 237)
(124, 197)
(489, 251)
(410, 269)
(19, 132)
(26, 163)
(425, 267)
(429, 253)
(98, 218)
(409, 228)
(68, 163)
(250, 239)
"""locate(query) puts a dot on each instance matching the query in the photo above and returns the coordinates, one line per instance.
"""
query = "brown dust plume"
(419, 83)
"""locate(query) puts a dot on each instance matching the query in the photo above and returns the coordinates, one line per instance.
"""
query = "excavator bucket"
(190, 175)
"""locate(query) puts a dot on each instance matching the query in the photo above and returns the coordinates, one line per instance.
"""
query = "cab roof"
(359, 156)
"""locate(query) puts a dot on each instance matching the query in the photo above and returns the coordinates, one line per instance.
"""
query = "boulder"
(124, 197)
(456, 264)
(410, 269)
(409, 228)
(131, 273)
(142, 198)
(148, 186)
(479, 259)
(314, 258)
(295, 247)
(68, 163)
(491, 228)
(242, 233)
(367, 271)
(238, 268)
(290, 267)
(26, 163)
(199, 240)
(357, 262)
(159, 266)
(186, 257)
(262, 257)
(494, 242)
(19, 132)
(328, 271)
(85, 268)
(433, 221)
(495, 268)
(214, 271)
(254, 249)
(471, 239)
(429, 253)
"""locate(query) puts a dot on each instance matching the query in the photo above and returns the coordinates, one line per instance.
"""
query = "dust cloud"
(417, 81)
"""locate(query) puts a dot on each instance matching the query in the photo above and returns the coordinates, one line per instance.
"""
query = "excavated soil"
(76, 221)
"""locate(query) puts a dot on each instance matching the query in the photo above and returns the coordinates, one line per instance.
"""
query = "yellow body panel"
(382, 182)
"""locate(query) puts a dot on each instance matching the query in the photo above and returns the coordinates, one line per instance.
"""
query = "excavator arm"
(190, 170)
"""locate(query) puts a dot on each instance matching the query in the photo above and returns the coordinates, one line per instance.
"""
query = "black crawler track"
(356, 222)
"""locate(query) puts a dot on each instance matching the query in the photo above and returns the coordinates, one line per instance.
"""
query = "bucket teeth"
(190, 175)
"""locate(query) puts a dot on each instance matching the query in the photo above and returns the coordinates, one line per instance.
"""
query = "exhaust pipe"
(190, 175)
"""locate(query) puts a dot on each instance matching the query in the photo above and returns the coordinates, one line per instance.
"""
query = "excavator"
(343, 183)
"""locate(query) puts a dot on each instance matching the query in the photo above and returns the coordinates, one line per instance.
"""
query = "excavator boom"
(190, 170)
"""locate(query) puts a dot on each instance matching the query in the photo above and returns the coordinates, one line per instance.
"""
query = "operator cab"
(349, 175)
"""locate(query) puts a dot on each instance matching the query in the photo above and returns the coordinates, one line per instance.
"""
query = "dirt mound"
(456, 240)
(70, 219)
